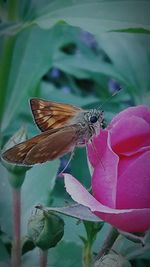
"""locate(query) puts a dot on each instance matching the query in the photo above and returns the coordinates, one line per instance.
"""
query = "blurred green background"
(77, 53)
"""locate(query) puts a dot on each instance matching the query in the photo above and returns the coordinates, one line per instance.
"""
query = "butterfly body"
(63, 128)
(86, 127)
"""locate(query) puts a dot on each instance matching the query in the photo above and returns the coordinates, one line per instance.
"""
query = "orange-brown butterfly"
(64, 127)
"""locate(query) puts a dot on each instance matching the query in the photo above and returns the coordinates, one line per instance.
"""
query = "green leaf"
(65, 254)
(4, 256)
(92, 228)
(96, 16)
(5, 202)
(27, 67)
(39, 182)
(129, 54)
(68, 254)
(30, 61)
(6, 53)
(27, 244)
(52, 93)
(82, 65)
(82, 172)
(9, 28)
(77, 211)
(134, 30)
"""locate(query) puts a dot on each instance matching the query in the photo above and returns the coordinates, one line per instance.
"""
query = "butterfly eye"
(93, 119)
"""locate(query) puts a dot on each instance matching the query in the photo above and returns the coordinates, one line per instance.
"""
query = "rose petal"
(82, 196)
(134, 182)
(104, 180)
(97, 147)
(130, 220)
(129, 135)
(138, 111)
(137, 150)
(138, 220)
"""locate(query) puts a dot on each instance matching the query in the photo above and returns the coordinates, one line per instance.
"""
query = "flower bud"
(136, 238)
(45, 229)
(17, 173)
(112, 259)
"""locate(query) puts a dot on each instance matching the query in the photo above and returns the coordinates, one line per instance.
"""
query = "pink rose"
(121, 179)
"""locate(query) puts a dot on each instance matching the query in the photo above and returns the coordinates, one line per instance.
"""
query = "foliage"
(46, 52)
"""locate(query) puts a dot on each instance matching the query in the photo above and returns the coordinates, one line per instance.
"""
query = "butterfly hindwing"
(17, 153)
(43, 147)
(51, 115)
(54, 146)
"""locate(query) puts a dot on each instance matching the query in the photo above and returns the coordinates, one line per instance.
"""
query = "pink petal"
(138, 111)
(82, 196)
(130, 220)
(104, 180)
(129, 135)
(97, 148)
(138, 150)
(133, 188)
(138, 220)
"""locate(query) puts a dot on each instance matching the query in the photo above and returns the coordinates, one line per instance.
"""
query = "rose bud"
(112, 259)
(45, 229)
(17, 173)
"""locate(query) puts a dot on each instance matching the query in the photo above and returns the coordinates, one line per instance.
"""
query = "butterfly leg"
(71, 157)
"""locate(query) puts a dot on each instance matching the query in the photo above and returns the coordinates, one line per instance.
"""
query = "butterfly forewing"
(51, 115)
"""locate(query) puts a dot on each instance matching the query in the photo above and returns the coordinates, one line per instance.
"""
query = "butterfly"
(63, 128)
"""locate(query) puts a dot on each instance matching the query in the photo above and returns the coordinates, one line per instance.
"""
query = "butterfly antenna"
(71, 156)
(108, 99)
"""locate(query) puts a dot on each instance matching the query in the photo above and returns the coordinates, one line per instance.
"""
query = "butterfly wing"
(43, 147)
(51, 115)
(17, 153)
(54, 146)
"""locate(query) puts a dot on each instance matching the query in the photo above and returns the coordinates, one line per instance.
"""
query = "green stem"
(16, 245)
(43, 258)
(108, 242)
(87, 255)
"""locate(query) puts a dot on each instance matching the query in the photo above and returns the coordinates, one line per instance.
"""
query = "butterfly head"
(94, 117)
